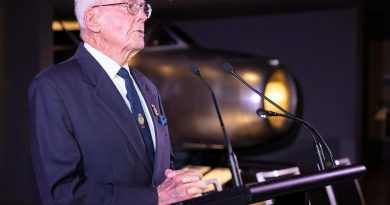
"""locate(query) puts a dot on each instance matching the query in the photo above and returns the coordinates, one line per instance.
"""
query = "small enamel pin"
(155, 111)
(141, 120)
(162, 120)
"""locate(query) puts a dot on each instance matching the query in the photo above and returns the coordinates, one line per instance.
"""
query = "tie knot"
(123, 73)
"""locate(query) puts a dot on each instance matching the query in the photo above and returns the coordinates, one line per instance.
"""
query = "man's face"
(121, 29)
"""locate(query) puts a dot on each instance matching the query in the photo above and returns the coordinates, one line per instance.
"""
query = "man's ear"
(91, 19)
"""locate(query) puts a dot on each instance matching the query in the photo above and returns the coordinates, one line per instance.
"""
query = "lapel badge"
(141, 120)
(155, 111)
(163, 120)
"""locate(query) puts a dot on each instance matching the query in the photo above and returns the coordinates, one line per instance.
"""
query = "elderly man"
(99, 135)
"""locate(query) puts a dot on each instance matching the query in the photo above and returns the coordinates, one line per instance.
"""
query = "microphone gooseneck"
(321, 157)
(319, 151)
(233, 164)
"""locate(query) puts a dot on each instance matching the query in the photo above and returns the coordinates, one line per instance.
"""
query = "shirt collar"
(110, 66)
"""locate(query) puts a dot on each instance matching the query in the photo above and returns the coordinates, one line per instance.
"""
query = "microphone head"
(266, 113)
(262, 113)
(194, 69)
(228, 68)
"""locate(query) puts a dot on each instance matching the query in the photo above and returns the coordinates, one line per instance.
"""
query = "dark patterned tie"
(138, 114)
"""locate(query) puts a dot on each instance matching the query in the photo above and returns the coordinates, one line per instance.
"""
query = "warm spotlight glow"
(210, 72)
(277, 90)
(166, 70)
(67, 25)
(155, 42)
(251, 78)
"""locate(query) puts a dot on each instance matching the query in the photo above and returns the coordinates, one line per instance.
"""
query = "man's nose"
(141, 16)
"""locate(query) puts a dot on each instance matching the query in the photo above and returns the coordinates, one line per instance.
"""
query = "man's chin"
(134, 49)
(139, 46)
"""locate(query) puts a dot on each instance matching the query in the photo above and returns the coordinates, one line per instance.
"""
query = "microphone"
(319, 151)
(230, 70)
(233, 164)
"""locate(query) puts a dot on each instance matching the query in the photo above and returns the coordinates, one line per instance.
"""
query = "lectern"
(300, 184)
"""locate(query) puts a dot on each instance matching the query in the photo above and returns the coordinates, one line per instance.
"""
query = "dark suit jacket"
(86, 147)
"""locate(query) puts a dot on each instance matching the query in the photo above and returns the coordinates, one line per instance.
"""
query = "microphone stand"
(320, 153)
(233, 164)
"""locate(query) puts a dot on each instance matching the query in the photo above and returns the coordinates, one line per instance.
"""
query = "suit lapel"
(151, 98)
(111, 100)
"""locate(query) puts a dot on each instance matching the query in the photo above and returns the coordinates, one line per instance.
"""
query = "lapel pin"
(141, 120)
(155, 111)
(162, 120)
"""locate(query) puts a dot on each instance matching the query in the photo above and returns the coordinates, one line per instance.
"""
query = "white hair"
(79, 8)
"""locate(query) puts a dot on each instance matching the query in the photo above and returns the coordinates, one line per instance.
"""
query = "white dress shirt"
(112, 68)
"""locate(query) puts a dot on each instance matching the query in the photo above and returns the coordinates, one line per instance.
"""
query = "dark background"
(334, 49)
